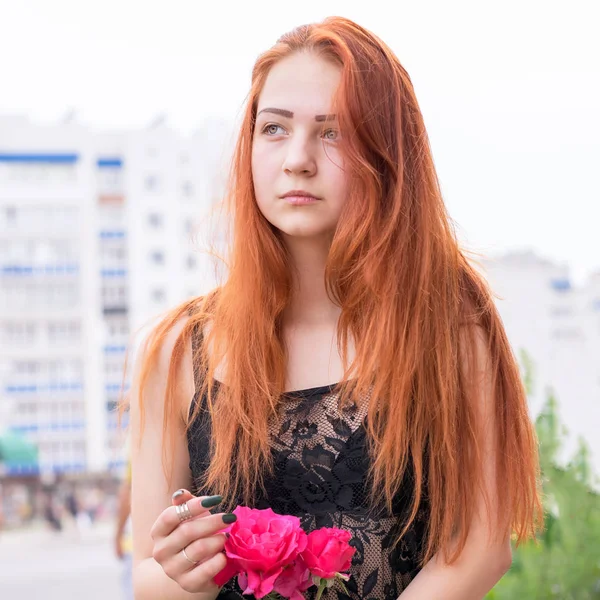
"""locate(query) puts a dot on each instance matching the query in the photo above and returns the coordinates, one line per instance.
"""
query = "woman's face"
(297, 167)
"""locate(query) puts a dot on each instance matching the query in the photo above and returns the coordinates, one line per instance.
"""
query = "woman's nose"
(300, 159)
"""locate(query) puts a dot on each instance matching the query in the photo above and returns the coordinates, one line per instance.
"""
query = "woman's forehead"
(303, 85)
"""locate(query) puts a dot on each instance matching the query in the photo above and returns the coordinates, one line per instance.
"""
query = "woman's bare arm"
(151, 492)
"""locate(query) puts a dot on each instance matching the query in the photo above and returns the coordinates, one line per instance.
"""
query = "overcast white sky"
(510, 91)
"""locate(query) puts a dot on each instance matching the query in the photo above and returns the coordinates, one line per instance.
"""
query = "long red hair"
(409, 299)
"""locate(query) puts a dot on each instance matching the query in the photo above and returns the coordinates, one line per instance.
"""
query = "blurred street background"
(44, 564)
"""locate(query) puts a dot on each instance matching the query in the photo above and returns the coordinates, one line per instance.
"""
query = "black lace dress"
(321, 462)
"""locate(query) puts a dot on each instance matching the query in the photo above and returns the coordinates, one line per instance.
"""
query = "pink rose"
(293, 580)
(328, 552)
(260, 545)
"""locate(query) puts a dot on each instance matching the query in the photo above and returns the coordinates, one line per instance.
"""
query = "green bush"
(565, 563)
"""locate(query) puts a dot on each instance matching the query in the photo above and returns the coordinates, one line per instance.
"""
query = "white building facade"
(558, 325)
(96, 239)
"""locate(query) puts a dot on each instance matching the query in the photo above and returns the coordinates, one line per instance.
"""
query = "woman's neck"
(310, 305)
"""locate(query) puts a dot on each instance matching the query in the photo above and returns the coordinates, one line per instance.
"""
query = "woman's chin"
(302, 227)
(305, 232)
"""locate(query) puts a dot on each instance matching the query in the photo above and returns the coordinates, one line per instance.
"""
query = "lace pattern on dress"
(321, 463)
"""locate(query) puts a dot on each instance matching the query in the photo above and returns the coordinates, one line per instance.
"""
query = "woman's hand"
(199, 536)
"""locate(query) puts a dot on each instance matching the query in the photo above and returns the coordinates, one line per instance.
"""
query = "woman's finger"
(181, 496)
(169, 519)
(205, 548)
(200, 578)
(196, 553)
(192, 530)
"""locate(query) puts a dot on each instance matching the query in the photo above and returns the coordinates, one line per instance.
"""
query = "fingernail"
(211, 501)
(177, 494)
(229, 518)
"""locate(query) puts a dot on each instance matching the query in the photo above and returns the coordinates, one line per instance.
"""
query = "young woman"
(352, 370)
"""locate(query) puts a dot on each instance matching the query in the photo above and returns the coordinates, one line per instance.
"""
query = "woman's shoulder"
(165, 354)
(186, 323)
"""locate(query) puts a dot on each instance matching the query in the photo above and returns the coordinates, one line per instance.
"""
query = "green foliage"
(565, 563)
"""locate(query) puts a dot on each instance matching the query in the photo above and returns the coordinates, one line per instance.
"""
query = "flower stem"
(322, 585)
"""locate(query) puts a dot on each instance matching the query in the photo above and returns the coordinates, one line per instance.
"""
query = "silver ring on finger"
(183, 512)
(194, 562)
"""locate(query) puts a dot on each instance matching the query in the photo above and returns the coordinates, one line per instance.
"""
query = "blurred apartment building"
(558, 325)
(96, 238)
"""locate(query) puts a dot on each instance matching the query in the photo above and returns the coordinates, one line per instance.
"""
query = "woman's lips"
(300, 200)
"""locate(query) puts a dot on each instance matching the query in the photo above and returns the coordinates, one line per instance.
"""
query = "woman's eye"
(272, 129)
(331, 134)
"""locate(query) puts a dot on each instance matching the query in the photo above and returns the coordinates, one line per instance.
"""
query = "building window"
(561, 311)
(561, 285)
(567, 334)
(155, 220)
(151, 182)
(116, 253)
(64, 331)
(157, 257)
(18, 333)
(191, 262)
(27, 367)
(10, 214)
(158, 295)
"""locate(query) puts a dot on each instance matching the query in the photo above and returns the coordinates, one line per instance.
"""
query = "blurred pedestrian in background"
(123, 542)
(52, 512)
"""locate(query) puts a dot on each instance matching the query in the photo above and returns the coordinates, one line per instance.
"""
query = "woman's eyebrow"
(288, 114)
